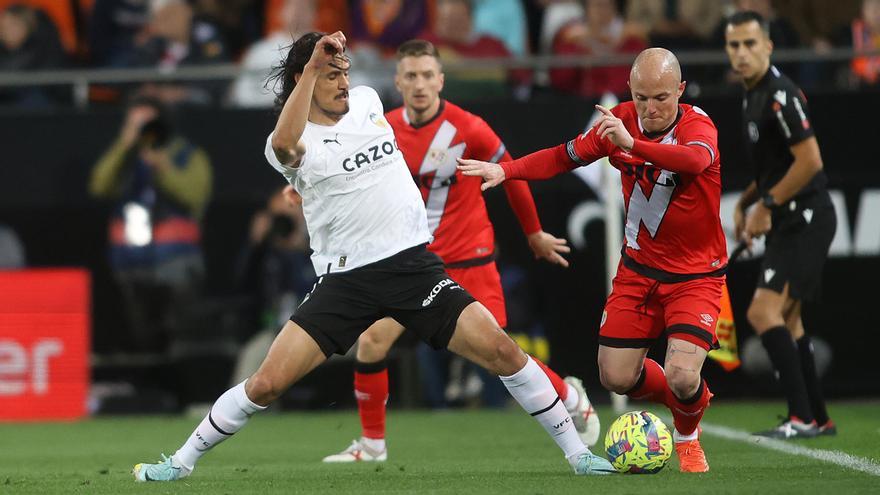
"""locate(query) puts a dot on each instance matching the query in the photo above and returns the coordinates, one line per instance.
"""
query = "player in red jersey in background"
(432, 133)
(674, 260)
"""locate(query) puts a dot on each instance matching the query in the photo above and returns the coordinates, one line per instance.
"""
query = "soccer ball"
(638, 442)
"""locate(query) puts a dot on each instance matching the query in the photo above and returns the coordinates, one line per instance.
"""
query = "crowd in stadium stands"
(166, 34)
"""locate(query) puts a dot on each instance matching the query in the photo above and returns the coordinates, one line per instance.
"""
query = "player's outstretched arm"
(549, 248)
(292, 121)
(492, 173)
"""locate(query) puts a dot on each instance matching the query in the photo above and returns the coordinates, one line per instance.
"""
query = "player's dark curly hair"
(298, 55)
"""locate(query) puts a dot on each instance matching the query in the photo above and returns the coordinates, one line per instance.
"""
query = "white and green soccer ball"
(638, 442)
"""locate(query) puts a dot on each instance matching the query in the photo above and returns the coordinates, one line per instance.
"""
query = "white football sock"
(572, 399)
(375, 444)
(678, 437)
(534, 392)
(231, 411)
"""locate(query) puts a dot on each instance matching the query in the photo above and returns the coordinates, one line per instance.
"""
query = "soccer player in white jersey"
(369, 232)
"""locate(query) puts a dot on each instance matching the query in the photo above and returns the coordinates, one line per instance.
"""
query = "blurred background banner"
(45, 317)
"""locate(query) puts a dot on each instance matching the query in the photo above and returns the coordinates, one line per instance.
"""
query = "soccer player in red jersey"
(432, 133)
(674, 259)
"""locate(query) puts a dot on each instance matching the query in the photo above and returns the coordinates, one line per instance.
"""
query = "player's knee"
(682, 382)
(262, 389)
(759, 317)
(617, 380)
(504, 357)
(372, 347)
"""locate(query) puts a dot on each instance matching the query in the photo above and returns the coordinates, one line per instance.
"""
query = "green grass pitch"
(485, 452)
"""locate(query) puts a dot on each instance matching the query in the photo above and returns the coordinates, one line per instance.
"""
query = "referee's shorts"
(411, 287)
(797, 246)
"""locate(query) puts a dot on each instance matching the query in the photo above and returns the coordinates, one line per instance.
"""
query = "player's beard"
(335, 114)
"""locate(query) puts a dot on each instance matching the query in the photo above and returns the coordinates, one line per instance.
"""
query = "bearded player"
(674, 259)
(432, 133)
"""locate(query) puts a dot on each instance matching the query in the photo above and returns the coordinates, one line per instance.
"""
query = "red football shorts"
(640, 310)
(484, 283)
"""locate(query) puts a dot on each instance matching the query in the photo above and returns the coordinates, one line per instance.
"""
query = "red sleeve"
(580, 151)
(523, 204)
(698, 148)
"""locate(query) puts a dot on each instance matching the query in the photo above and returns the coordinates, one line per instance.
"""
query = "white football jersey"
(360, 202)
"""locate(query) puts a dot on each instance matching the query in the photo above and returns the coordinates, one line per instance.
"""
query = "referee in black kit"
(795, 213)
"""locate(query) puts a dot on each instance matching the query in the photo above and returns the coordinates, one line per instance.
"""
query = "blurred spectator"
(556, 14)
(863, 35)
(454, 36)
(782, 31)
(275, 271)
(238, 21)
(330, 16)
(817, 20)
(28, 41)
(601, 32)
(249, 88)
(382, 25)
(177, 38)
(113, 27)
(504, 20)
(161, 184)
(675, 24)
(11, 249)
(60, 14)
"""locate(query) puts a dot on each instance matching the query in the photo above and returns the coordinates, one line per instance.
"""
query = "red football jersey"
(672, 218)
(671, 188)
(457, 215)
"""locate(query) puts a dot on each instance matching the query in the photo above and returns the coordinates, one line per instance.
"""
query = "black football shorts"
(797, 247)
(411, 286)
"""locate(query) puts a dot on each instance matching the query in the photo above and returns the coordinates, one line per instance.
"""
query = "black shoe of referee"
(790, 428)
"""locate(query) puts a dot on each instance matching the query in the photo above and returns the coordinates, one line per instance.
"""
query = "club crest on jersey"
(437, 155)
(379, 120)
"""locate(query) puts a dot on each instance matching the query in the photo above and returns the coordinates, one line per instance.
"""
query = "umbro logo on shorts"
(437, 288)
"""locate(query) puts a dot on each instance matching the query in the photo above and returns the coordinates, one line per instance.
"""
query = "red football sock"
(686, 413)
(651, 385)
(371, 392)
(558, 383)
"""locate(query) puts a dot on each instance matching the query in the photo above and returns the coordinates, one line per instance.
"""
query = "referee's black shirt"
(775, 117)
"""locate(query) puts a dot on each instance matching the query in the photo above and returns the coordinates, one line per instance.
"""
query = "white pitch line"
(831, 456)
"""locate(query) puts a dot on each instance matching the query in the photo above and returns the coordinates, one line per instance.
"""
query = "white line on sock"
(831, 456)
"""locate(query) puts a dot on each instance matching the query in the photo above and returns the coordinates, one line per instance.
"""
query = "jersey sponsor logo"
(446, 282)
(334, 140)
(373, 153)
(768, 275)
(706, 319)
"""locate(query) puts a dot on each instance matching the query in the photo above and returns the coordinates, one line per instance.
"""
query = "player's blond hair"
(417, 48)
